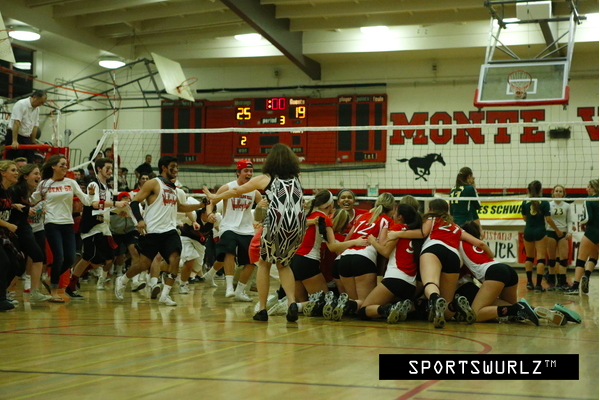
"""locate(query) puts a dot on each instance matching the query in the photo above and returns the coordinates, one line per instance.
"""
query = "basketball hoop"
(519, 81)
(186, 84)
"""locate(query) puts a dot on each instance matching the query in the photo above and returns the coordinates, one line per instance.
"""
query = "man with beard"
(158, 227)
(235, 233)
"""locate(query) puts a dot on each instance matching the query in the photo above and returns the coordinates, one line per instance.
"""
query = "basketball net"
(186, 84)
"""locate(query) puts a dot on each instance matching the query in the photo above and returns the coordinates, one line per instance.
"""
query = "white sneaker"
(230, 293)
(271, 301)
(10, 298)
(184, 289)
(280, 308)
(100, 284)
(209, 279)
(26, 283)
(137, 286)
(119, 288)
(242, 297)
(166, 300)
(37, 297)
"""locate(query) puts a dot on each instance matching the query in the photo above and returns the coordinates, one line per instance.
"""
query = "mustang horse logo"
(421, 165)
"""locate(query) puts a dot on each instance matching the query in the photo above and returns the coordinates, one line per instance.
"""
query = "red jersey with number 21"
(445, 233)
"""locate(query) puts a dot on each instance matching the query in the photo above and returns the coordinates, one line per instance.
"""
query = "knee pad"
(580, 263)
(530, 259)
(362, 314)
(593, 260)
(551, 263)
(563, 263)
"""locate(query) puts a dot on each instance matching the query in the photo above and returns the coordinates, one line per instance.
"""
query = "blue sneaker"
(570, 315)
(526, 312)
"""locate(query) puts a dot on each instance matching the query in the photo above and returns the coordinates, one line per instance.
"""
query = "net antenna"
(519, 81)
(173, 79)
(6, 52)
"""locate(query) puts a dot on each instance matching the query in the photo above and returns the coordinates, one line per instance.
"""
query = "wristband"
(101, 205)
(135, 210)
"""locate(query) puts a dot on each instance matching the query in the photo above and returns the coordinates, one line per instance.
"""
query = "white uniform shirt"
(161, 215)
(28, 116)
(237, 216)
(104, 226)
(561, 215)
(59, 199)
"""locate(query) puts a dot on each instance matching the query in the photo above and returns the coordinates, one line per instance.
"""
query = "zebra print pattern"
(285, 223)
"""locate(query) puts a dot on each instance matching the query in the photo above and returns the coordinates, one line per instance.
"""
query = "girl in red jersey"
(439, 260)
(400, 277)
(358, 264)
(306, 261)
(497, 296)
(346, 200)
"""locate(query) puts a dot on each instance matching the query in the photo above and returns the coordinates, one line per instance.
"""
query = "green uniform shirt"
(466, 210)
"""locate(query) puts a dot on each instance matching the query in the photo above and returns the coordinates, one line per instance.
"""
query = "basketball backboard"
(6, 52)
(172, 77)
(499, 84)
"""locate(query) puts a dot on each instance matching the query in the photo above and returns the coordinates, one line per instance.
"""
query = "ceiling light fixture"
(374, 30)
(110, 62)
(249, 37)
(22, 65)
(24, 33)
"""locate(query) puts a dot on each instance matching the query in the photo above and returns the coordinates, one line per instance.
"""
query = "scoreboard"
(312, 147)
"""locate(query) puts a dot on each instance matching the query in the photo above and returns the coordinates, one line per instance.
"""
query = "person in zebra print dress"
(284, 226)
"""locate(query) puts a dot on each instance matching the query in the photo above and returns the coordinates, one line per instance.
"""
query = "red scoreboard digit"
(313, 147)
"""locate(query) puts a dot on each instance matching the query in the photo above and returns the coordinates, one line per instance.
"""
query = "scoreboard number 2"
(243, 140)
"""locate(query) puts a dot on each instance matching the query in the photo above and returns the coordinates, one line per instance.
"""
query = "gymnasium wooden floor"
(209, 348)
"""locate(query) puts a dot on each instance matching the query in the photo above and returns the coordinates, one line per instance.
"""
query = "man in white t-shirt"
(24, 123)
(236, 230)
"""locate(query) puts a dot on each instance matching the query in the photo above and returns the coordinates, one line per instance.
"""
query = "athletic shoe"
(261, 316)
(271, 301)
(552, 287)
(209, 279)
(464, 311)
(229, 292)
(73, 294)
(315, 304)
(555, 317)
(37, 297)
(9, 297)
(529, 286)
(569, 314)
(585, 284)
(330, 303)
(526, 312)
(280, 308)
(292, 314)
(154, 291)
(26, 283)
(399, 311)
(120, 288)
(183, 289)
(564, 286)
(343, 307)
(572, 290)
(100, 284)
(242, 297)
(219, 277)
(538, 289)
(137, 286)
(166, 301)
(436, 312)
(6, 305)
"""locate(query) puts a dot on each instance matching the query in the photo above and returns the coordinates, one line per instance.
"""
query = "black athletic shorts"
(232, 243)
(356, 265)
(450, 260)
(96, 249)
(502, 273)
(125, 240)
(304, 267)
(165, 243)
(399, 287)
